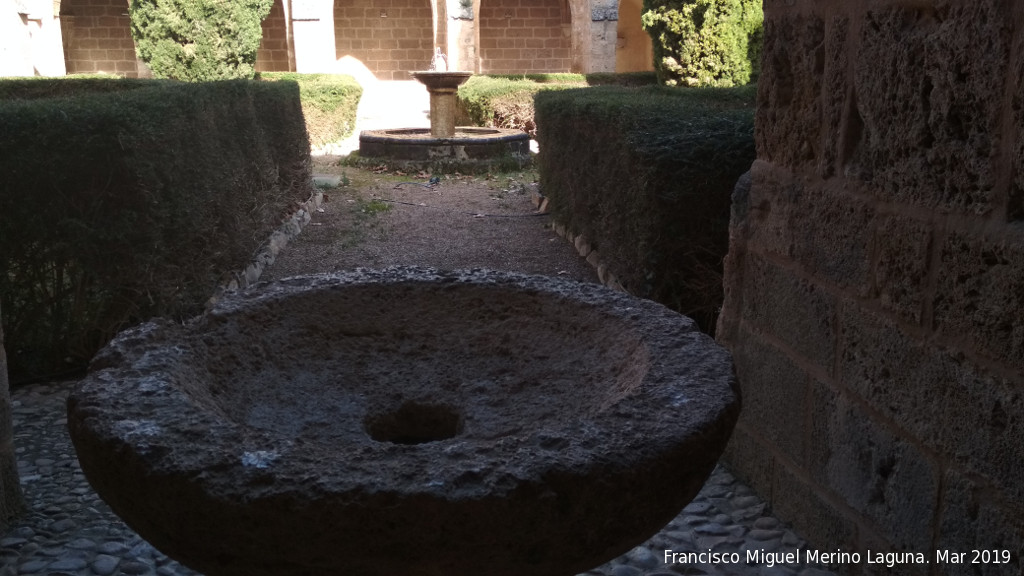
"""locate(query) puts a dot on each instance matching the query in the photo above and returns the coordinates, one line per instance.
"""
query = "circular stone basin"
(437, 80)
(469, 143)
(406, 421)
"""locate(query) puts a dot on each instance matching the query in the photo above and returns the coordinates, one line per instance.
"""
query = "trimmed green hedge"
(34, 87)
(646, 175)
(506, 100)
(119, 206)
(329, 103)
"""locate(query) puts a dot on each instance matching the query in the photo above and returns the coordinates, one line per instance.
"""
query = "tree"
(198, 40)
(705, 42)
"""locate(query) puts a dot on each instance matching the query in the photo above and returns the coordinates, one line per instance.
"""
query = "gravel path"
(462, 222)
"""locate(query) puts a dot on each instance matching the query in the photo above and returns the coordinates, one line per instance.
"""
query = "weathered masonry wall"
(97, 37)
(391, 37)
(875, 280)
(524, 36)
(272, 55)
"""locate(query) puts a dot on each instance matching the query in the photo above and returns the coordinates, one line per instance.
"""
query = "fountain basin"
(467, 144)
(406, 421)
(436, 80)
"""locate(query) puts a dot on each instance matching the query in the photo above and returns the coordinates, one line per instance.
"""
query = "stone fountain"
(444, 143)
(406, 421)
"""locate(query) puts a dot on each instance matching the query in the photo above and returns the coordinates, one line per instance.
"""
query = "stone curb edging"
(586, 250)
(267, 253)
(581, 243)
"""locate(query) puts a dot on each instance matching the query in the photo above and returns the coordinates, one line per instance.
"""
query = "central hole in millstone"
(414, 423)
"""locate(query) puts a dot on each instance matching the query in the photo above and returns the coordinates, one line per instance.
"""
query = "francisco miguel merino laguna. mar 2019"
(797, 556)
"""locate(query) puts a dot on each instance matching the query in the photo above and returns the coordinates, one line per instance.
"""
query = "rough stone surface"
(980, 297)
(190, 434)
(770, 385)
(877, 264)
(800, 312)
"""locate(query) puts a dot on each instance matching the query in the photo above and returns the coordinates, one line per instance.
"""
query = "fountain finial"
(439, 63)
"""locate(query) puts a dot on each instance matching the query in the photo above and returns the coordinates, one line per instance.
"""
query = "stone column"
(442, 112)
(11, 503)
(312, 23)
(462, 36)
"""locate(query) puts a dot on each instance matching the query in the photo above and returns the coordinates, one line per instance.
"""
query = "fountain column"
(442, 87)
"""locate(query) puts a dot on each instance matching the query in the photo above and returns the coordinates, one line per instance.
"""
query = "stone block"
(807, 508)
(771, 386)
(789, 129)
(888, 480)
(973, 520)
(796, 311)
(833, 233)
(836, 98)
(979, 298)
(983, 430)
(902, 249)
(902, 378)
(764, 220)
(750, 460)
(827, 230)
(1015, 209)
(929, 85)
(582, 245)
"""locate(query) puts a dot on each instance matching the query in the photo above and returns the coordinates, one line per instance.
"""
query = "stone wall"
(272, 55)
(524, 36)
(30, 39)
(634, 50)
(875, 280)
(97, 37)
(391, 37)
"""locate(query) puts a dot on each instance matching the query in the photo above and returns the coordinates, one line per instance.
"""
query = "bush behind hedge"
(329, 103)
(198, 40)
(646, 175)
(705, 42)
(116, 207)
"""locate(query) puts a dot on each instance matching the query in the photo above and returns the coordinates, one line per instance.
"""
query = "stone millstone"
(406, 421)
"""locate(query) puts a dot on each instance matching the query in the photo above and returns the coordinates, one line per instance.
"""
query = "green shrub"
(646, 175)
(198, 40)
(705, 42)
(329, 103)
(119, 206)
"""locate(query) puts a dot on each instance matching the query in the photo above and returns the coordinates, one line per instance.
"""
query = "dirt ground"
(384, 218)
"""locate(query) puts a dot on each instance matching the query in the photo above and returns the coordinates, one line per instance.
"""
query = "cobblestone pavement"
(70, 531)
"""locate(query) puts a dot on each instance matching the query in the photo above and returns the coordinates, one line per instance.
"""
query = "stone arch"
(522, 36)
(97, 37)
(634, 51)
(390, 37)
